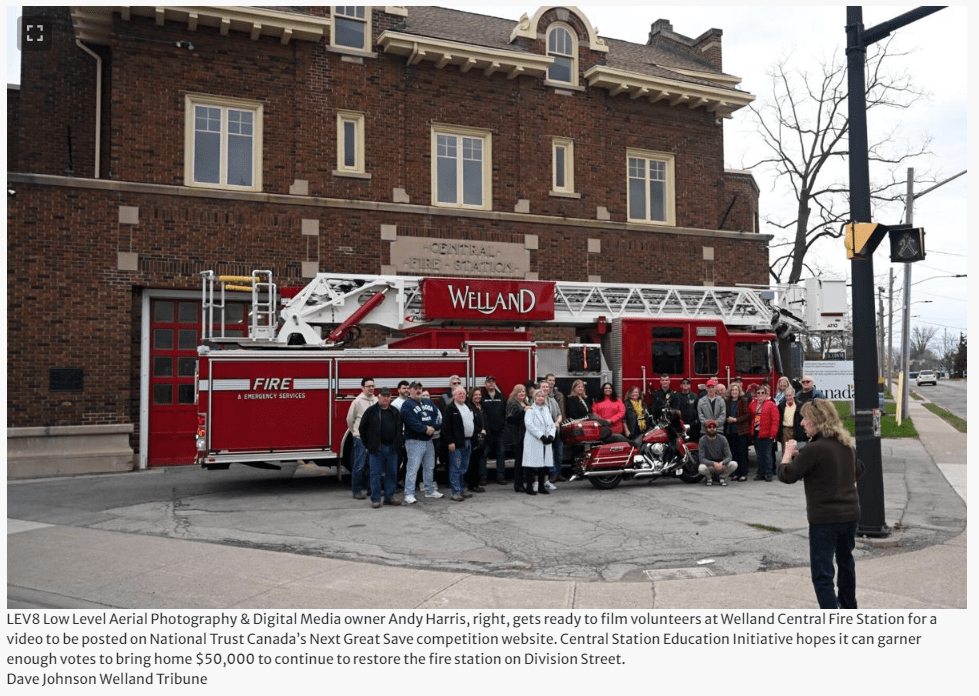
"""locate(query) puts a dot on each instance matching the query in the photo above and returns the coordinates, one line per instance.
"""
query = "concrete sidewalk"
(54, 566)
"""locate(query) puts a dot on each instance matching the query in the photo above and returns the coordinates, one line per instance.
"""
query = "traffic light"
(907, 243)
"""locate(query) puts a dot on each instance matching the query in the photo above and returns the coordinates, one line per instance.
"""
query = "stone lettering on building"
(425, 256)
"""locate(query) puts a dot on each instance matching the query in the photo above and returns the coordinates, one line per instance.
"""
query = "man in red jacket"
(766, 430)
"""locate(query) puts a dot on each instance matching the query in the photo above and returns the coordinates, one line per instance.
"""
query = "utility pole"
(866, 399)
(906, 315)
(890, 331)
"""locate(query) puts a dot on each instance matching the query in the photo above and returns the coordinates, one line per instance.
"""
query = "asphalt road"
(634, 532)
(950, 394)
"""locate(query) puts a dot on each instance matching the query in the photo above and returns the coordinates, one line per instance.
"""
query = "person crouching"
(715, 456)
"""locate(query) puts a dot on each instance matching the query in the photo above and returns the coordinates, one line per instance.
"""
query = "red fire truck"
(281, 392)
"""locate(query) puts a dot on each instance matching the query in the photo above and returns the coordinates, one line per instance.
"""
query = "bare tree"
(921, 338)
(948, 346)
(804, 125)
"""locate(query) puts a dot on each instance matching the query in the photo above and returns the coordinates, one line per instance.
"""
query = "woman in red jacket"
(766, 430)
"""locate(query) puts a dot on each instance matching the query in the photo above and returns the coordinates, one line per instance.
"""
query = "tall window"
(351, 27)
(224, 143)
(350, 142)
(562, 165)
(462, 160)
(563, 48)
(650, 182)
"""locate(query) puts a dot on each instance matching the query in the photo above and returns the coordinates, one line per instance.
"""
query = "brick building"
(147, 144)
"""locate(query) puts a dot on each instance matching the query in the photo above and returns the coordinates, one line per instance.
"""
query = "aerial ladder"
(321, 313)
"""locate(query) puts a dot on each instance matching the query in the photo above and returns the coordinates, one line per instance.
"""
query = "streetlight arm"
(940, 183)
(884, 29)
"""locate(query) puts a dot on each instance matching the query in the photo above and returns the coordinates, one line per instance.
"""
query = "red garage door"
(175, 327)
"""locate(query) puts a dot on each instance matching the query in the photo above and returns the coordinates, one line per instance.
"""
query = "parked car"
(927, 377)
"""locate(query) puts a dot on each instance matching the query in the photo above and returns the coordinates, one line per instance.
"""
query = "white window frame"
(356, 120)
(667, 162)
(343, 12)
(572, 53)
(460, 134)
(225, 105)
(566, 170)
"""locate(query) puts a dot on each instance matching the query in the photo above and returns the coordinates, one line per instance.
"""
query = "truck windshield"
(753, 358)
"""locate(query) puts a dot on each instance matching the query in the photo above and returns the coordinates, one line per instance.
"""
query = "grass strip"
(950, 418)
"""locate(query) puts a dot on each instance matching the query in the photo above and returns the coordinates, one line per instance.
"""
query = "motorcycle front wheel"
(690, 473)
(604, 483)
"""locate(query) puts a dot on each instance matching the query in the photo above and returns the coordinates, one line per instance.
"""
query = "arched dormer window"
(562, 46)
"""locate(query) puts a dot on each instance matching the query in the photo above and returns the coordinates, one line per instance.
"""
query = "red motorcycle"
(664, 451)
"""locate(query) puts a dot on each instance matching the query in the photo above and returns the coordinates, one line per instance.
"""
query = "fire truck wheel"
(604, 483)
(690, 471)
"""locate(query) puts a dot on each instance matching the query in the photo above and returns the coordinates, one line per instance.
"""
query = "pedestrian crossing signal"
(907, 244)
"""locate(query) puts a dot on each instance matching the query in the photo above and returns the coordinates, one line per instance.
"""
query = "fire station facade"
(148, 144)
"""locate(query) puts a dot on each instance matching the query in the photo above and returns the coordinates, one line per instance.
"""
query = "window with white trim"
(651, 187)
(350, 142)
(462, 167)
(562, 46)
(350, 27)
(223, 143)
(562, 165)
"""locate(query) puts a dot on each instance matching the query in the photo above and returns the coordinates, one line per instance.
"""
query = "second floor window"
(461, 170)
(650, 187)
(350, 27)
(224, 143)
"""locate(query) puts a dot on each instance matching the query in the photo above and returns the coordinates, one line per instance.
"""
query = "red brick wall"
(68, 306)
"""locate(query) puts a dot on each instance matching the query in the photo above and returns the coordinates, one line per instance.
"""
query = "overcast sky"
(753, 39)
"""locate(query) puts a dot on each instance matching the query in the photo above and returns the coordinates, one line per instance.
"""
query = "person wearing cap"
(381, 433)
(688, 408)
(494, 412)
(711, 406)
(421, 421)
(715, 456)
(360, 404)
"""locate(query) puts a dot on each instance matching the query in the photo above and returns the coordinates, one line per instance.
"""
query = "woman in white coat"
(537, 455)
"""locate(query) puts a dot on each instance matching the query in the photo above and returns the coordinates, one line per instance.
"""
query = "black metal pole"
(866, 402)
(865, 368)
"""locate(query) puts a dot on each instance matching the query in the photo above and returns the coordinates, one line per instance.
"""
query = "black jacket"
(798, 432)
(494, 411)
(370, 429)
(453, 429)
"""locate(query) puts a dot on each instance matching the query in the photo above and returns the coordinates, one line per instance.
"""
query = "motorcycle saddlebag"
(580, 432)
(615, 455)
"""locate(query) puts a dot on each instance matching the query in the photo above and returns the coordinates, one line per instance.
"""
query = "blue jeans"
(458, 464)
(495, 445)
(386, 461)
(763, 453)
(421, 453)
(358, 480)
(826, 541)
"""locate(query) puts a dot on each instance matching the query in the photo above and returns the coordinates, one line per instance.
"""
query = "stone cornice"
(466, 56)
(378, 206)
(94, 24)
(717, 100)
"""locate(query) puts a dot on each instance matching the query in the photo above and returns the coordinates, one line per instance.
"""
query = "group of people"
(478, 426)
(466, 429)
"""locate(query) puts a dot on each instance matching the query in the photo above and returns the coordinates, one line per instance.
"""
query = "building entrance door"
(175, 327)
